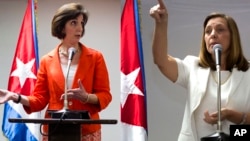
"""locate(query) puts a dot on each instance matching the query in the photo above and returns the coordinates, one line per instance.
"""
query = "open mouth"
(212, 44)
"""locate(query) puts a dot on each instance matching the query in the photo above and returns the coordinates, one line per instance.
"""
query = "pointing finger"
(161, 4)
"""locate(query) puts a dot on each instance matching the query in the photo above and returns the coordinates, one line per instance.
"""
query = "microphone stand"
(65, 112)
(218, 135)
(65, 103)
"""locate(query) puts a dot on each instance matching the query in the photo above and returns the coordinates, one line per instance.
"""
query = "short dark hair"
(65, 13)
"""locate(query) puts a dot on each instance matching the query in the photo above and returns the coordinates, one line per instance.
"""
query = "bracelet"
(244, 118)
(18, 99)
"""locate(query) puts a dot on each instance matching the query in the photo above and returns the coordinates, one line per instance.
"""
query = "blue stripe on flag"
(140, 50)
(139, 42)
(34, 30)
(11, 130)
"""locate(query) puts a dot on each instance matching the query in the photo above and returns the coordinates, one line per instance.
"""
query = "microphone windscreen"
(217, 52)
(217, 46)
(71, 52)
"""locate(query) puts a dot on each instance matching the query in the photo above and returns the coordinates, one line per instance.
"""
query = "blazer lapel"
(55, 70)
(84, 65)
(236, 77)
(201, 85)
(196, 95)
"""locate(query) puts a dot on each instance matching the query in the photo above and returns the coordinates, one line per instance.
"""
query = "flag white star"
(23, 71)
(128, 85)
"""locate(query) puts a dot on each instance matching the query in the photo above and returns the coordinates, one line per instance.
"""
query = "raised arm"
(166, 63)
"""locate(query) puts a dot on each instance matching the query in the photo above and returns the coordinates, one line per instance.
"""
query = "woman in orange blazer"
(88, 79)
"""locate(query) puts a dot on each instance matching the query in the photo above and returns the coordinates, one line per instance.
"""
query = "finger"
(3, 91)
(69, 95)
(215, 114)
(207, 117)
(155, 12)
(161, 4)
(62, 97)
(206, 114)
(80, 84)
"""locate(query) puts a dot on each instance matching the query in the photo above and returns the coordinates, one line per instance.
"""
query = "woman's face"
(74, 29)
(217, 32)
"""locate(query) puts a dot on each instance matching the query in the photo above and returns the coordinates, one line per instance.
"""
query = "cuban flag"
(133, 92)
(22, 80)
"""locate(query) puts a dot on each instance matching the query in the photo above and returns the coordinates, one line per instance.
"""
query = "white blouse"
(209, 103)
(71, 75)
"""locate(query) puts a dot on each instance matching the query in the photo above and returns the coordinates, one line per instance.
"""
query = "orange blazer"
(92, 72)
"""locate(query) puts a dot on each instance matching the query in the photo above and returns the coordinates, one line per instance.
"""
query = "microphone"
(71, 52)
(217, 52)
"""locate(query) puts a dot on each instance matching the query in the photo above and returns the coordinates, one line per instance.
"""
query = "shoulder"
(91, 51)
(47, 58)
(193, 59)
(188, 60)
(50, 54)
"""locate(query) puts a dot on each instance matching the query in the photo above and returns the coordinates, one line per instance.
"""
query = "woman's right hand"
(159, 12)
(5, 96)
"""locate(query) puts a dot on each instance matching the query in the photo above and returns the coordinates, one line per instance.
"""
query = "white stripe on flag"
(133, 133)
(33, 128)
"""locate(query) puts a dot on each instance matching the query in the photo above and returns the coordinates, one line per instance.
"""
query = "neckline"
(65, 53)
(225, 75)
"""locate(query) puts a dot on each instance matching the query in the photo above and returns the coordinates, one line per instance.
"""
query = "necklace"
(225, 75)
(65, 52)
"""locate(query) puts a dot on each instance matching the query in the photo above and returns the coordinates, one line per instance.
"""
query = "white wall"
(102, 33)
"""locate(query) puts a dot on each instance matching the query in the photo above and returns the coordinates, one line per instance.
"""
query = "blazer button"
(70, 103)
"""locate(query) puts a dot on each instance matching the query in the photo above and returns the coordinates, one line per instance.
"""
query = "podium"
(64, 129)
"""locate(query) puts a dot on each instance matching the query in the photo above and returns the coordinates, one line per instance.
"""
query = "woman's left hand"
(77, 93)
(213, 117)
